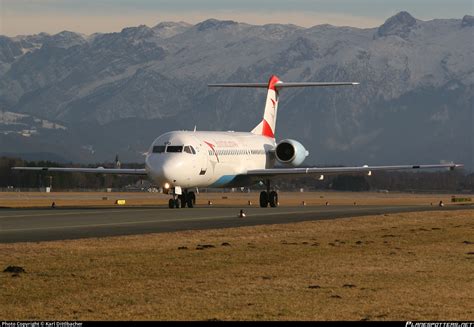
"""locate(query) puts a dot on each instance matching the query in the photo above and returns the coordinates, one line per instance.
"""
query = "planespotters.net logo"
(439, 324)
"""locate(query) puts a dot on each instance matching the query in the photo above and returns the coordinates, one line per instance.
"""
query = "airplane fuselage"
(207, 159)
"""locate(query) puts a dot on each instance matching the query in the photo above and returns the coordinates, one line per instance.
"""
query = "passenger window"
(174, 148)
(158, 149)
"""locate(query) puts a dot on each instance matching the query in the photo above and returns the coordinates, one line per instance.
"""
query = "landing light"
(166, 186)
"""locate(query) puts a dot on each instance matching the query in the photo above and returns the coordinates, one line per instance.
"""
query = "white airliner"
(180, 161)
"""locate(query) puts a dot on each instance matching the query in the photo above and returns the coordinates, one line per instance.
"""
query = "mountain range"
(113, 93)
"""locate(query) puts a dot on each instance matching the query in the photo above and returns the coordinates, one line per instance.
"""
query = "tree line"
(421, 181)
(434, 181)
(60, 181)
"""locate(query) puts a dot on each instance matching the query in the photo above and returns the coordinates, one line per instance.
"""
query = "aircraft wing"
(275, 172)
(99, 170)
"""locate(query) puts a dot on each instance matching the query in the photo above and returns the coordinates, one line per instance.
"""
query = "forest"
(420, 181)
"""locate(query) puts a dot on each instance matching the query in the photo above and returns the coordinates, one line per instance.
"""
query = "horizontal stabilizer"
(281, 85)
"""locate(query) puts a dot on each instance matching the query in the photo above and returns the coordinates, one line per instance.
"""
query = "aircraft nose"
(167, 171)
(163, 170)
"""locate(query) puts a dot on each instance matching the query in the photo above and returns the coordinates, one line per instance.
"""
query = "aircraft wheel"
(190, 199)
(171, 204)
(273, 199)
(183, 200)
(176, 203)
(192, 196)
(189, 202)
(263, 199)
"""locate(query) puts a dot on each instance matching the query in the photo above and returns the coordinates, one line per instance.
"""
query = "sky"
(20, 17)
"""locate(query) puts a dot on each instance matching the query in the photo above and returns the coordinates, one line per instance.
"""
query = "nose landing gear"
(187, 199)
(182, 200)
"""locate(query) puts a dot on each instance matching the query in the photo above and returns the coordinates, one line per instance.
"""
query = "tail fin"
(268, 123)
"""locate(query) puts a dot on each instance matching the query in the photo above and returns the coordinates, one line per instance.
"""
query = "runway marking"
(71, 213)
(113, 224)
(167, 220)
(86, 212)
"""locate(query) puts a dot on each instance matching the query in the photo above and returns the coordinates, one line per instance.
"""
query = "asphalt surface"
(35, 225)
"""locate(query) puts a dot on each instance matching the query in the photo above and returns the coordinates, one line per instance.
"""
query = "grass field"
(409, 266)
(65, 199)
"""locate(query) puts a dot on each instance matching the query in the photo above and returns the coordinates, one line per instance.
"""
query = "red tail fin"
(268, 124)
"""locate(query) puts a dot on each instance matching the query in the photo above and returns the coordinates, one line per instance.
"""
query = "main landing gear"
(268, 197)
(181, 201)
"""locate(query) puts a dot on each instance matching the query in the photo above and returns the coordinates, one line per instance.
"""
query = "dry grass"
(410, 266)
(64, 199)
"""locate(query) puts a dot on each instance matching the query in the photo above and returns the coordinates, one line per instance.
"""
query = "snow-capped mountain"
(115, 92)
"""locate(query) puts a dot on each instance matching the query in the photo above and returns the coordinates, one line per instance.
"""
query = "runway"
(35, 225)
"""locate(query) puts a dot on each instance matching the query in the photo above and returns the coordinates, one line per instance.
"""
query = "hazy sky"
(89, 16)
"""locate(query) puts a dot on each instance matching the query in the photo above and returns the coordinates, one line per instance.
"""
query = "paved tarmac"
(47, 224)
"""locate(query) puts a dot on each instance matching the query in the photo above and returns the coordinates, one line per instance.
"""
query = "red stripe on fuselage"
(213, 149)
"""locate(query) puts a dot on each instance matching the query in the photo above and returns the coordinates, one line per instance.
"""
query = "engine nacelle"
(290, 153)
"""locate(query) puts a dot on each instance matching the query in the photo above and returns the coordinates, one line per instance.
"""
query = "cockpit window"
(158, 149)
(189, 149)
(174, 148)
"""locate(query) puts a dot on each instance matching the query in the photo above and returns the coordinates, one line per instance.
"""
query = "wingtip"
(355, 83)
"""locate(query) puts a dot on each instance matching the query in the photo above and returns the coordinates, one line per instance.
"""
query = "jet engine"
(290, 153)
